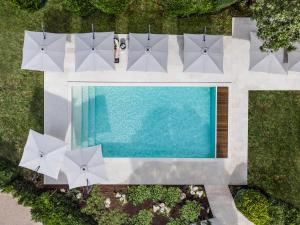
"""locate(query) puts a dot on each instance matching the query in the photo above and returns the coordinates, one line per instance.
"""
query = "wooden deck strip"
(222, 122)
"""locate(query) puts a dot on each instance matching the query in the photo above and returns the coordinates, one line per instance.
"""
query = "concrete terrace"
(219, 171)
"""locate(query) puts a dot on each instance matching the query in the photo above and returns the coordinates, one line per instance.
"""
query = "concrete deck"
(231, 170)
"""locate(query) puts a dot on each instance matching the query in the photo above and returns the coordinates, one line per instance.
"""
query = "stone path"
(223, 207)
(11, 213)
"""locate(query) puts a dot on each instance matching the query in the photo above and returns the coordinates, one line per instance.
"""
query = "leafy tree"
(111, 6)
(278, 22)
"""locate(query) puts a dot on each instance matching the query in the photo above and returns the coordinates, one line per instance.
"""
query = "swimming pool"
(145, 121)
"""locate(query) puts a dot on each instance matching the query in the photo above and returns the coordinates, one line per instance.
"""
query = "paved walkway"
(223, 207)
(11, 213)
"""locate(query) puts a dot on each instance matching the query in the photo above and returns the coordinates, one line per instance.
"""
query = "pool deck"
(219, 171)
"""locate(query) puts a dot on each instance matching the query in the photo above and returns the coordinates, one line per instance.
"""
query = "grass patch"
(274, 143)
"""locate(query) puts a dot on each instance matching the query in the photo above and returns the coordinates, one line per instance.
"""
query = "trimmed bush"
(157, 192)
(254, 206)
(188, 7)
(138, 194)
(111, 6)
(265, 211)
(171, 196)
(144, 217)
(29, 4)
(80, 7)
(190, 211)
(113, 217)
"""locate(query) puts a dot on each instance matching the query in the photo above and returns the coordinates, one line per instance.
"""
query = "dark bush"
(111, 6)
(29, 4)
(82, 8)
(188, 7)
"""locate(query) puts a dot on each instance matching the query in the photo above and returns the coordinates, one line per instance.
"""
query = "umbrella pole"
(43, 29)
(36, 173)
(149, 30)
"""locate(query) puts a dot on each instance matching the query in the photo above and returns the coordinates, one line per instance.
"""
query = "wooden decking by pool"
(222, 122)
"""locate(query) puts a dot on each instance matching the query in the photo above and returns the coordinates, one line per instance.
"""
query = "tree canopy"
(278, 22)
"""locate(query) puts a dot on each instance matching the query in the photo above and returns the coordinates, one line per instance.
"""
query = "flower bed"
(152, 204)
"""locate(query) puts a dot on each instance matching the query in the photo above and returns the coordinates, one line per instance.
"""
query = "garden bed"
(164, 204)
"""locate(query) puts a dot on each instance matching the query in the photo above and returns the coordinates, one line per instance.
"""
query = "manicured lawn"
(274, 143)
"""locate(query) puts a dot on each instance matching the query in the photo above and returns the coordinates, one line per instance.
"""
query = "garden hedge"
(111, 6)
(263, 210)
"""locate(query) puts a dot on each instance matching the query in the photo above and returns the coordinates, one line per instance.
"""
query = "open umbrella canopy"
(43, 154)
(148, 52)
(94, 51)
(84, 167)
(43, 51)
(294, 59)
(268, 61)
(203, 53)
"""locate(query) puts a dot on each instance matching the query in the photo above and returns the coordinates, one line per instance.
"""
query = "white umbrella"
(94, 51)
(203, 53)
(268, 61)
(148, 52)
(43, 51)
(84, 167)
(43, 154)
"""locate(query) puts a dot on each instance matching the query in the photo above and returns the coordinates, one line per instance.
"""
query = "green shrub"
(265, 211)
(94, 204)
(171, 196)
(29, 4)
(56, 209)
(80, 7)
(138, 194)
(254, 206)
(188, 7)
(111, 6)
(177, 221)
(157, 192)
(190, 211)
(144, 217)
(113, 217)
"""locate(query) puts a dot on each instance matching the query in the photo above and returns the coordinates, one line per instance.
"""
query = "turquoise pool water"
(161, 122)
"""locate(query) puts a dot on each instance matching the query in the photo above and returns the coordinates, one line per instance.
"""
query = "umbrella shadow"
(180, 42)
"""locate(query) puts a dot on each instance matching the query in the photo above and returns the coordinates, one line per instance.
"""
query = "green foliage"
(57, 210)
(171, 196)
(113, 217)
(274, 140)
(157, 192)
(144, 217)
(111, 6)
(190, 211)
(254, 206)
(177, 221)
(94, 204)
(80, 7)
(138, 194)
(278, 22)
(188, 7)
(262, 210)
(29, 4)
